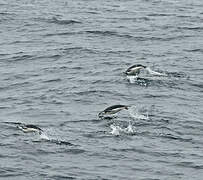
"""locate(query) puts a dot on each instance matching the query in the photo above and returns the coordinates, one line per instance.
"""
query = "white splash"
(44, 136)
(129, 129)
(132, 79)
(134, 113)
(115, 130)
(154, 72)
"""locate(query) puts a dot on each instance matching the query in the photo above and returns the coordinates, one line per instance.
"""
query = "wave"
(79, 49)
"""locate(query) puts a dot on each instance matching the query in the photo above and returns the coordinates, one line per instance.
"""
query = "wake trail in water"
(155, 73)
(136, 115)
(44, 136)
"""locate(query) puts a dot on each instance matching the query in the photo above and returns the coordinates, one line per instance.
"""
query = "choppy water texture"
(62, 62)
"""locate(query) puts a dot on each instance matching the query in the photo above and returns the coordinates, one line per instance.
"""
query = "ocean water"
(62, 62)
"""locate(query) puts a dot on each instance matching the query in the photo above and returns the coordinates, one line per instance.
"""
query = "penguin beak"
(19, 127)
(127, 107)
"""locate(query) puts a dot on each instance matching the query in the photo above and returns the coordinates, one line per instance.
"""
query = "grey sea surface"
(62, 62)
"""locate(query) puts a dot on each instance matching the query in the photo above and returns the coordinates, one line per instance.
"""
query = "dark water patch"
(20, 58)
(58, 21)
(49, 56)
(6, 172)
(93, 12)
(118, 52)
(134, 19)
(4, 54)
(6, 17)
(74, 151)
(128, 150)
(7, 13)
(109, 33)
(12, 123)
(189, 164)
(15, 85)
(169, 38)
(177, 74)
(42, 151)
(20, 76)
(59, 142)
(191, 28)
(194, 50)
(18, 42)
(160, 14)
(53, 80)
(4, 107)
(101, 81)
(175, 137)
(157, 96)
(60, 34)
(64, 22)
(54, 141)
(78, 49)
(91, 92)
(77, 68)
(61, 177)
(196, 85)
(150, 178)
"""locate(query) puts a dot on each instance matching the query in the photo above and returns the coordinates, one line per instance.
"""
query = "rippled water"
(62, 62)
